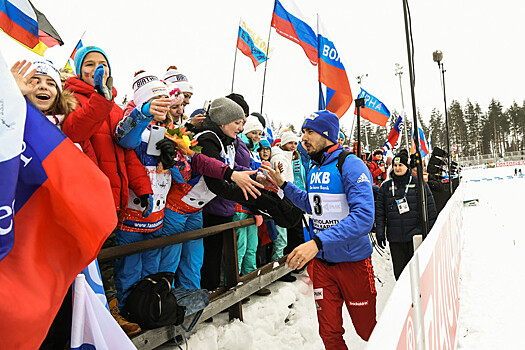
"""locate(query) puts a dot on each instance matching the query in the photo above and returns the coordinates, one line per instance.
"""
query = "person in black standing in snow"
(398, 211)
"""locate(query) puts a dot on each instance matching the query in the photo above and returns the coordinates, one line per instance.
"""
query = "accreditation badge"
(402, 205)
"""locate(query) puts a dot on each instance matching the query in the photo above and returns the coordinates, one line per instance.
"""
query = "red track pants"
(349, 282)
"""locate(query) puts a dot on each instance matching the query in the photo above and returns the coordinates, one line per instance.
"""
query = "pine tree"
(457, 126)
(437, 130)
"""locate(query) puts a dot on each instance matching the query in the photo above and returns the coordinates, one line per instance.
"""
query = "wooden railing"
(224, 298)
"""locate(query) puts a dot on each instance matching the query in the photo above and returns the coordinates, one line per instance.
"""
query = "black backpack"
(152, 304)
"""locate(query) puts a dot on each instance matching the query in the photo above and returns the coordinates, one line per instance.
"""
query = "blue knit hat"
(265, 143)
(324, 123)
(81, 54)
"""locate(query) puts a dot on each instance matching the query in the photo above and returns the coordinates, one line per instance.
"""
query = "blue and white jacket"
(342, 206)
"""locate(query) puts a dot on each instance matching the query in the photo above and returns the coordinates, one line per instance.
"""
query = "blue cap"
(81, 54)
(341, 135)
(324, 123)
(196, 112)
(265, 143)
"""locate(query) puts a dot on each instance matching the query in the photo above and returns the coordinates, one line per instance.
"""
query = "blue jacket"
(348, 239)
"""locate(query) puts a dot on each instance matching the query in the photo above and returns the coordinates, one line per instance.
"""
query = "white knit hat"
(172, 75)
(146, 86)
(46, 68)
(252, 123)
(288, 136)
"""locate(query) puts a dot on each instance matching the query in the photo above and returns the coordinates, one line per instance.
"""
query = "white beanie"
(146, 86)
(252, 123)
(172, 75)
(288, 136)
(46, 68)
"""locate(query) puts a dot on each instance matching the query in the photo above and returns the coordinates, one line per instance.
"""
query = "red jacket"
(376, 171)
(92, 125)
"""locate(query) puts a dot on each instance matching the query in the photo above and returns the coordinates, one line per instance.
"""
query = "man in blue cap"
(341, 202)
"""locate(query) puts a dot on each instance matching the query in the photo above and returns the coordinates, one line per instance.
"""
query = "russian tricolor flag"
(23, 22)
(422, 142)
(247, 46)
(393, 136)
(56, 210)
(375, 111)
(18, 20)
(288, 21)
(332, 74)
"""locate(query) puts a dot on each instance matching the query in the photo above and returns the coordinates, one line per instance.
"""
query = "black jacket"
(402, 227)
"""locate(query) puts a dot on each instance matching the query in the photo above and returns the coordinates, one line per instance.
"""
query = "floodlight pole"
(438, 57)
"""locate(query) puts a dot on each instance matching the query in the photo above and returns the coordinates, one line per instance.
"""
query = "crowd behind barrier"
(188, 190)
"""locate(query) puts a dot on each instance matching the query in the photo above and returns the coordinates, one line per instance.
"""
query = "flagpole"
(235, 59)
(265, 66)
(79, 40)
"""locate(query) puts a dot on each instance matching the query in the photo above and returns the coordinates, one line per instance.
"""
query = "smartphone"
(156, 134)
(206, 106)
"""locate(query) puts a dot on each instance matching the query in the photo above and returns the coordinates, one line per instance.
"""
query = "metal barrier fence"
(228, 297)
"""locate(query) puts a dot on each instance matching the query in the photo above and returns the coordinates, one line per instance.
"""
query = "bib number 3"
(318, 209)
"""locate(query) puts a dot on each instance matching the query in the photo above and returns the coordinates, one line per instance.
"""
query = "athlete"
(341, 202)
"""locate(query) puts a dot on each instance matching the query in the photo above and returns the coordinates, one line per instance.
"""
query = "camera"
(206, 107)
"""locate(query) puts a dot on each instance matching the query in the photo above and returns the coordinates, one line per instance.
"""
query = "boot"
(129, 327)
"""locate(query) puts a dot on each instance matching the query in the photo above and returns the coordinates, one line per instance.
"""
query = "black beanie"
(413, 163)
(401, 157)
(239, 99)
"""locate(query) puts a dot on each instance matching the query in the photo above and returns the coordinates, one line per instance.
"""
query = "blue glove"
(106, 89)
(146, 200)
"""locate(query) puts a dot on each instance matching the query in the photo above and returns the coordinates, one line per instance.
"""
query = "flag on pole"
(70, 62)
(92, 326)
(375, 111)
(332, 74)
(246, 44)
(423, 148)
(56, 210)
(393, 136)
(288, 21)
(23, 22)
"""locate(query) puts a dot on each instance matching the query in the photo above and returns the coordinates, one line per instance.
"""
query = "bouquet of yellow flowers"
(183, 139)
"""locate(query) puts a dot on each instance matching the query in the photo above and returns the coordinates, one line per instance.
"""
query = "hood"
(78, 86)
(249, 142)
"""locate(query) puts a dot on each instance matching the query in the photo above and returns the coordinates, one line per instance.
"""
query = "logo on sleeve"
(363, 178)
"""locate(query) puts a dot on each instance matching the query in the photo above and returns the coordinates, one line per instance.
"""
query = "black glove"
(381, 241)
(146, 201)
(104, 89)
(167, 153)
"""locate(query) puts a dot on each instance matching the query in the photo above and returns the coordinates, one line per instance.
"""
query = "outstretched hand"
(274, 175)
(25, 82)
(246, 183)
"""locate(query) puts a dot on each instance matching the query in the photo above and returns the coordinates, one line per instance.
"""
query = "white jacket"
(285, 157)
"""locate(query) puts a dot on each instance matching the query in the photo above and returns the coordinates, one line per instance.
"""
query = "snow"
(491, 273)
(491, 280)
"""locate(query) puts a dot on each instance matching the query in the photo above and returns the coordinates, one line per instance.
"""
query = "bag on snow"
(152, 304)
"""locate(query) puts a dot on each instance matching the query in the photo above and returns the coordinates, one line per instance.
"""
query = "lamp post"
(438, 57)
(359, 81)
(399, 73)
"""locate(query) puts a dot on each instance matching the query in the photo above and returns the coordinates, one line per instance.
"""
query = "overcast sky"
(482, 43)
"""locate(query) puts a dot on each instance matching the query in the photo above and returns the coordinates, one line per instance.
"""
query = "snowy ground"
(270, 322)
(492, 277)
(492, 281)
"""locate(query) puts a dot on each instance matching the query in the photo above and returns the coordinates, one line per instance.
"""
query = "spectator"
(180, 80)
(92, 125)
(341, 269)
(247, 238)
(136, 224)
(398, 212)
(377, 167)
